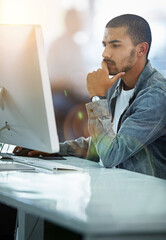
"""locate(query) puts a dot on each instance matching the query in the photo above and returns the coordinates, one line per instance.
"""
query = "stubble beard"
(125, 68)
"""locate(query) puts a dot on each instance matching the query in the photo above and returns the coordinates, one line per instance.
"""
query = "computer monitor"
(26, 109)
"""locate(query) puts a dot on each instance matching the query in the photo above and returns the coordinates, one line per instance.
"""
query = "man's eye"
(116, 45)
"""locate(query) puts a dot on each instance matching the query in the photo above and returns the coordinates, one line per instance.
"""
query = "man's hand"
(98, 82)
(28, 152)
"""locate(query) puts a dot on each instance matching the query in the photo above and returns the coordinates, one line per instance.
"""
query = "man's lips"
(109, 62)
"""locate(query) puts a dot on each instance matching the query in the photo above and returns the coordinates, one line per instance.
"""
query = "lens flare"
(80, 115)
(76, 123)
(65, 93)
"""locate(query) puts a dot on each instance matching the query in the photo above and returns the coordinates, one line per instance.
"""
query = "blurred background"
(73, 32)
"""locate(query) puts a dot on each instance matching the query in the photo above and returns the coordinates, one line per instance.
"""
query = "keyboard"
(40, 162)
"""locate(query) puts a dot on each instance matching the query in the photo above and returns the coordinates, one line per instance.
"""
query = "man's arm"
(81, 147)
(78, 147)
(142, 127)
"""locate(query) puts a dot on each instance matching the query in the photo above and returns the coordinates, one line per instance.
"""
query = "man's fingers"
(17, 149)
(37, 153)
(29, 152)
(104, 67)
(117, 76)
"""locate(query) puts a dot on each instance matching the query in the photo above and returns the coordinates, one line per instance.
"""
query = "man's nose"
(106, 53)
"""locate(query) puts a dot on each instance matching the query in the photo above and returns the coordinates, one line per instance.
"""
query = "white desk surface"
(94, 201)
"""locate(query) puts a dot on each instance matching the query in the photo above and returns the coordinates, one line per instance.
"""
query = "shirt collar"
(146, 73)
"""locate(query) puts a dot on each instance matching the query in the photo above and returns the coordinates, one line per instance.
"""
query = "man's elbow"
(107, 163)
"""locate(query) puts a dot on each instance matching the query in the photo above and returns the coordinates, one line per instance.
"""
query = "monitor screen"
(26, 109)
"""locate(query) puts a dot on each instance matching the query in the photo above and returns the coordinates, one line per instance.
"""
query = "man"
(127, 115)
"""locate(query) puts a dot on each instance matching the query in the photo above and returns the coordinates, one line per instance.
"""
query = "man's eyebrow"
(113, 41)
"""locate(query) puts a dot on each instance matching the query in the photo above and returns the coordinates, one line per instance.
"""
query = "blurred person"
(127, 115)
(67, 72)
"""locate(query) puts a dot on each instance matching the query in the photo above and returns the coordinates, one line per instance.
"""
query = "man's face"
(119, 51)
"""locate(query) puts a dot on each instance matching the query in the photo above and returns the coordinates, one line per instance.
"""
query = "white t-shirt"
(121, 103)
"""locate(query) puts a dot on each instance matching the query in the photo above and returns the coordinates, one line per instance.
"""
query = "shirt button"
(90, 110)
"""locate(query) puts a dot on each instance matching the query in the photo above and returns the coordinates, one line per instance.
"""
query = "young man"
(127, 115)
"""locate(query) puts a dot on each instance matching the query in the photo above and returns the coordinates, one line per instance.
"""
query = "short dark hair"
(137, 28)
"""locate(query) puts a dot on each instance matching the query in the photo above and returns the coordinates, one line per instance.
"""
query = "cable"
(16, 226)
(33, 228)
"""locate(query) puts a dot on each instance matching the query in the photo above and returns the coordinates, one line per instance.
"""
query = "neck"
(131, 77)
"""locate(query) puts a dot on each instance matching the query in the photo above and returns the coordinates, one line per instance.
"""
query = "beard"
(126, 65)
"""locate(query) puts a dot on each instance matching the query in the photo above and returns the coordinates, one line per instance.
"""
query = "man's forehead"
(115, 33)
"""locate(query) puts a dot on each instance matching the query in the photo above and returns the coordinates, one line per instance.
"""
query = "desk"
(97, 203)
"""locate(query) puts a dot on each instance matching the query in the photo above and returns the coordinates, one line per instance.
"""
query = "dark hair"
(137, 28)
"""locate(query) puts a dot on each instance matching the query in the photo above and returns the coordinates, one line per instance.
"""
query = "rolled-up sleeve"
(100, 126)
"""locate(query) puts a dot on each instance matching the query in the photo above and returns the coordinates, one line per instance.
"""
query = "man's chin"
(113, 73)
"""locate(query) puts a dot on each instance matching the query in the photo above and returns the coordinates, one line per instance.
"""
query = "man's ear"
(142, 49)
